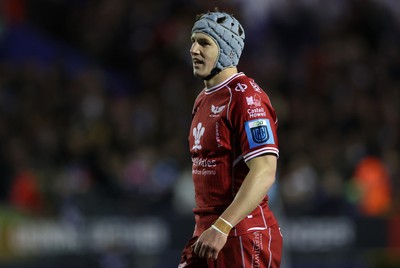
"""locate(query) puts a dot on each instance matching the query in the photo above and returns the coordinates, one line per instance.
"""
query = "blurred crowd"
(76, 140)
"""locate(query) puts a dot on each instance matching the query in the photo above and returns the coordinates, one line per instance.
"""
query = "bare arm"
(255, 186)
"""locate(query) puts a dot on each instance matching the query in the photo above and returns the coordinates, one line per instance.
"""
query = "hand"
(209, 244)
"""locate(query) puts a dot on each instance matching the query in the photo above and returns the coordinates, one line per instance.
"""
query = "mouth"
(197, 62)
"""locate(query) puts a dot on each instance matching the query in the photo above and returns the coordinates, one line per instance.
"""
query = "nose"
(194, 49)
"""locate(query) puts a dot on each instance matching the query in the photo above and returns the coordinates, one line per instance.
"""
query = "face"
(204, 53)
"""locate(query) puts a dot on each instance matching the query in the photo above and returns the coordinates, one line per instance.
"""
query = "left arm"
(255, 186)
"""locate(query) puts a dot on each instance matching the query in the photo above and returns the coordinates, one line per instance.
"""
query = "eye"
(204, 43)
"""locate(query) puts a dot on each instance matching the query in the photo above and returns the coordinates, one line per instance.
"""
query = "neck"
(221, 77)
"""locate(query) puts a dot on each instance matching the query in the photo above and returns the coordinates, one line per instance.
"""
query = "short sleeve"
(253, 120)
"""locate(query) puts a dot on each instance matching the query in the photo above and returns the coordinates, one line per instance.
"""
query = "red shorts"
(261, 249)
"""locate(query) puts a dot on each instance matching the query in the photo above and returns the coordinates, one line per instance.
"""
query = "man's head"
(228, 35)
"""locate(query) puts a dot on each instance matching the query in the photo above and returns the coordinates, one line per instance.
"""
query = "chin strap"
(213, 73)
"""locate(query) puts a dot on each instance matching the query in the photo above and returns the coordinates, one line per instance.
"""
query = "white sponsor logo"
(257, 248)
(256, 112)
(255, 86)
(203, 166)
(197, 134)
(254, 101)
(204, 172)
(203, 162)
(241, 87)
(216, 110)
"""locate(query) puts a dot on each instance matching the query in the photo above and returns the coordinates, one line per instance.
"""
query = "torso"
(224, 135)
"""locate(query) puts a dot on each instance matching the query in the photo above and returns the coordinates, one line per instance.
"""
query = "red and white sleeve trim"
(265, 150)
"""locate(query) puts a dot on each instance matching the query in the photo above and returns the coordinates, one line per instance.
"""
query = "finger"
(203, 252)
(196, 248)
(214, 255)
(211, 255)
(194, 244)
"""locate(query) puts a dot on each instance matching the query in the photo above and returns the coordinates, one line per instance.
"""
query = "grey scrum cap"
(227, 32)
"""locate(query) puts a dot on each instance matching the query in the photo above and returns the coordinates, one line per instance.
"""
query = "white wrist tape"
(227, 222)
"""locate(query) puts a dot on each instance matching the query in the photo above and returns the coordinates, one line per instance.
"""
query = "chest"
(210, 131)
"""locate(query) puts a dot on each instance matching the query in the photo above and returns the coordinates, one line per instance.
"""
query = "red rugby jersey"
(232, 123)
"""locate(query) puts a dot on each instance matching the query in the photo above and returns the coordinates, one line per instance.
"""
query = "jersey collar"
(223, 84)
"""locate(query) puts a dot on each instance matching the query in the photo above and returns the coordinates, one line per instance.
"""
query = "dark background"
(95, 104)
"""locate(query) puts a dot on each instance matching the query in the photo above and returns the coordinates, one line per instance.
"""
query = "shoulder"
(244, 88)
(249, 100)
